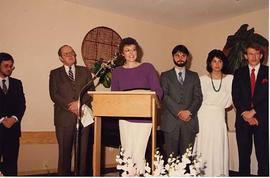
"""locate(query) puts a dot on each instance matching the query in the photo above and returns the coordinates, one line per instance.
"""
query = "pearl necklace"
(216, 90)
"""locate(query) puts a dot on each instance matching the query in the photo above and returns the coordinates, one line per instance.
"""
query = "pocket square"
(265, 80)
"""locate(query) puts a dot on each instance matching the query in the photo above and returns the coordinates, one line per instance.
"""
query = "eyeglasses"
(68, 54)
(9, 66)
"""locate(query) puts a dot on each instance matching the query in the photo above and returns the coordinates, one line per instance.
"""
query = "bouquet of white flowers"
(189, 165)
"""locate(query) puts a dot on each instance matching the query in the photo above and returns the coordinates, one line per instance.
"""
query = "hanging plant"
(235, 46)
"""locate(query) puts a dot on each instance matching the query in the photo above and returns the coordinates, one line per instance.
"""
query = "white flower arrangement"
(190, 165)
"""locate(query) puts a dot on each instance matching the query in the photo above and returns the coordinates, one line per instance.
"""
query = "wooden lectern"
(121, 104)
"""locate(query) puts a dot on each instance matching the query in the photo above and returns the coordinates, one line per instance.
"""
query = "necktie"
(180, 78)
(70, 74)
(4, 86)
(252, 81)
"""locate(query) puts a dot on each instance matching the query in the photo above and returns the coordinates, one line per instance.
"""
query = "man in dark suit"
(12, 107)
(182, 99)
(65, 85)
(250, 97)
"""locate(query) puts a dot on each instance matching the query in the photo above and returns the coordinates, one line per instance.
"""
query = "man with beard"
(12, 107)
(182, 99)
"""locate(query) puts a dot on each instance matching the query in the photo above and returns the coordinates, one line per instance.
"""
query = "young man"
(182, 99)
(250, 90)
(12, 107)
(65, 85)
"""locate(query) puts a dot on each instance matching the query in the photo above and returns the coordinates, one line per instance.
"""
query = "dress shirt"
(183, 70)
(1, 82)
(257, 67)
(72, 68)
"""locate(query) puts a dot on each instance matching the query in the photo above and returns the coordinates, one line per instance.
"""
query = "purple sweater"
(142, 77)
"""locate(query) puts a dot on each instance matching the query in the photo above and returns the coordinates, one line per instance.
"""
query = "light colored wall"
(32, 31)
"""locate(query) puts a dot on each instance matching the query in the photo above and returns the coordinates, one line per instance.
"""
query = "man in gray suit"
(65, 85)
(182, 99)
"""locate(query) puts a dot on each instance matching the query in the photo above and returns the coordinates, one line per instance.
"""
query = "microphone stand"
(103, 69)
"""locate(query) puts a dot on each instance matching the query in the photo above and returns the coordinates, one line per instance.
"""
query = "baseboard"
(33, 137)
(37, 172)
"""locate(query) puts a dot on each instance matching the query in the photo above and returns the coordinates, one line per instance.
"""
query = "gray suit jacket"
(63, 91)
(180, 97)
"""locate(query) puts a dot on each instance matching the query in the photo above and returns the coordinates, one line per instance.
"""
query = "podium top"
(135, 92)
(131, 92)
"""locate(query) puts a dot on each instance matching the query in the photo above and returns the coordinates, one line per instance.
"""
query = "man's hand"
(8, 122)
(184, 115)
(252, 121)
(248, 114)
(73, 107)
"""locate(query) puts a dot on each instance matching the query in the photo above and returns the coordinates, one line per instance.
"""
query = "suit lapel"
(260, 77)
(246, 78)
(77, 73)
(173, 78)
(187, 78)
(64, 74)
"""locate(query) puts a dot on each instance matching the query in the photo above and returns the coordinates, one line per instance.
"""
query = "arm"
(85, 84)
(154, 82)
(237, 94)
(170, 104)
(87, 99)
(197, 96)
(246, 114)
(115, 82)
(18, 107)
(229, 89)
(54, 93)
(20, 102)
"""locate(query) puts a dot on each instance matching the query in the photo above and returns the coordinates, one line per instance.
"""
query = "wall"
(32, 31)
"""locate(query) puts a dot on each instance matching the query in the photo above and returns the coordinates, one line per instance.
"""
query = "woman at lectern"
(133, 75)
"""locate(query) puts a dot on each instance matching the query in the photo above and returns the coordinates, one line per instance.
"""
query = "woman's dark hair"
(127, 41)
(218, 54)
(130, 41)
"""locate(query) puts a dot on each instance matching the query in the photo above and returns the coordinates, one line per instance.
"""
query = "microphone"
(100, 70)
(106, 66)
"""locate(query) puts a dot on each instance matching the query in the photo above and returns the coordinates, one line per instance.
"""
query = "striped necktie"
(180, 78)
(4, 86)
(70, 74)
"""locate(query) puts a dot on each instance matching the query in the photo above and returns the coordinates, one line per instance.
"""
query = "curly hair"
(218, 54)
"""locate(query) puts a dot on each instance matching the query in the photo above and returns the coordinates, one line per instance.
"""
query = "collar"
(67, 67)
(6, 78)
(256, 67)
(177, 70)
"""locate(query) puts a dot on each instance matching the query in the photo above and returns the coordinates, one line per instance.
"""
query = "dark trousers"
(178, 140)
(66, 139)
(245, 136)
(9, 152)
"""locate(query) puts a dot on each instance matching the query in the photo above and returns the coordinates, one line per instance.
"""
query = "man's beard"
(180, 64)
